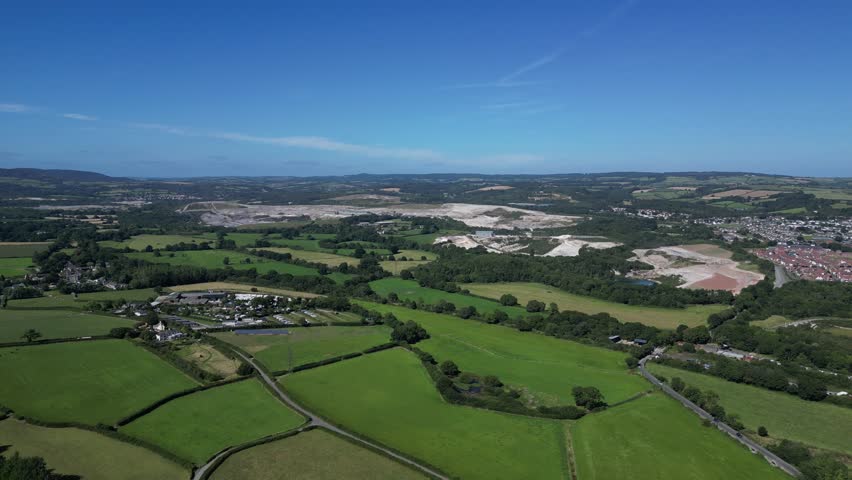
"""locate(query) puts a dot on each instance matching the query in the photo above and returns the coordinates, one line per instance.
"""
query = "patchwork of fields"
(655, 437)
(98, 381)
(390, 398)
(411, 290)
(197, 426)
(304, 345)
(784, 416)
(546, 367)
(72, 451)
(312, 455)
(668, 318)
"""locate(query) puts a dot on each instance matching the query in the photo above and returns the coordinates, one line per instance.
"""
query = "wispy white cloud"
(16, 108)
(161, 127)
(79, 116)
(326, 144)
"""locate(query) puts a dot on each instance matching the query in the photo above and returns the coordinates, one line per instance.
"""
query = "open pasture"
(21, 249)
(55, 300)
(240, 287)
(655, 437)
(11, 267)
(329, 259)
(197, 426)
(397, 266)
(389, 397)
(99, 381)
(140, 242)
(216, 259)
(307, 344)
(312, 455)
(72, 451)
(209, 359)
(56, 324)
(668, 318)
(546, 367)
(784, 416)
(411, 290)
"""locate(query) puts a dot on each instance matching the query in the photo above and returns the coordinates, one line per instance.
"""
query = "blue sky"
(340, 87)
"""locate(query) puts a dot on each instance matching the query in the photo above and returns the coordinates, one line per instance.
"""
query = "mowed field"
(312, 455)
(140, 242)
(197, 426)
(389, 397)
(329, 259)
(307, 344)
(72, 451)
(60, 301)
(207, 358)
(215, 259)
(240, 287)
(56, 324)
(667, 318)
(411, 290)
(21, 249)
(98, 381)
(15, 266)
(654, 437)
(784, 416)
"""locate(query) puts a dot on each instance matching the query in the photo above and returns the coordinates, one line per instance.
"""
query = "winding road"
(770, 457)
(316, 421)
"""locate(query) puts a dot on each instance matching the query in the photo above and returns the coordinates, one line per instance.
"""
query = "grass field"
(21, 249)
(654, 437)
(784, 416)
(91, 382)
(312, 455)
(72, 451)
(307, 344)
(417, 255)
(197, 426)
(668, 318)
(60, 301)
(215, 259)
(771, 322)
(546, 367)
(239, 287)
(389, 397)
(209, 359)
(139, 242)
(15, 266)
(329, 259)
(56, 324)
(397, 266)
(411, 290)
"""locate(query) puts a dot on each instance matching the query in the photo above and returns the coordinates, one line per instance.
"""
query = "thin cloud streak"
(16, 108)
(329, 145)
(78, 116)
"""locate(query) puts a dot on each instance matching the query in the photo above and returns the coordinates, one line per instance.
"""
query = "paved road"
(753, 446)
(317, 421)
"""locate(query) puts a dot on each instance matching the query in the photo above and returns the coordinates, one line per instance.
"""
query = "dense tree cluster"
(17, 467)
(813, 467)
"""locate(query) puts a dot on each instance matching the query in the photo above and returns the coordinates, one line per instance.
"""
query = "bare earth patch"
(494, 188)
(741, 193)
(562, 246)
(700, 266)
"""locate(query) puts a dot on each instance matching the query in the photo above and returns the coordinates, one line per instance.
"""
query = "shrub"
(449, 368)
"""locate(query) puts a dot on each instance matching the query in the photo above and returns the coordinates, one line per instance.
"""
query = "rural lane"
(317, 421)
(753, 446)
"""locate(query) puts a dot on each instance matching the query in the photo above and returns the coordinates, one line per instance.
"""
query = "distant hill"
(55, 175)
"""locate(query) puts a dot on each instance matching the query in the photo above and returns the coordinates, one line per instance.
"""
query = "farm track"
(317, 421)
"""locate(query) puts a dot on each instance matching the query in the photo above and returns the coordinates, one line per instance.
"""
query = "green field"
(72, 451)
(655, 437)
(15, 266)
(240, 287)
(389, 397)
(197, 426)
(56, 324)
(52, 299)
(140, 242)
(417, 255)
(771, 322)
(411, 290)
(396, 266)
(312, 455)
(784, 416)
(307, 344)
(546, 367)
(668, 318)
(329, 259)
(98, 381)
(21, 249)
(215, 259)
